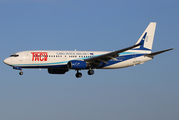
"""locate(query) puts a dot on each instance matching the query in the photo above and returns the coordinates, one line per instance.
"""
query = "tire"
(90, 72)
(20, 73)
(78, 75)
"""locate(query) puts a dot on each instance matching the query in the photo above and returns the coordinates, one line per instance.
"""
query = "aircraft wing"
(95, 61)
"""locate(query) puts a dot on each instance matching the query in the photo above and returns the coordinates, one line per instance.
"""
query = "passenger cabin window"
(14, 55)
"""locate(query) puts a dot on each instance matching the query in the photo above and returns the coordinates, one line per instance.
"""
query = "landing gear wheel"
(20, 73)
(90, 72)
(78, 74)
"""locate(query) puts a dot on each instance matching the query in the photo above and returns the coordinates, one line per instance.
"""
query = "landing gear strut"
(78, 74)
(21, 73)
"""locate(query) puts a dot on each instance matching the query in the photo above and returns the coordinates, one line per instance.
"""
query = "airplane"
(60, 62)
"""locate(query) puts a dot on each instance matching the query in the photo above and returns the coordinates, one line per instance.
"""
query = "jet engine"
(77, 64)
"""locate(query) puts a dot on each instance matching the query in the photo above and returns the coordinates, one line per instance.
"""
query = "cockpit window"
(14, 55)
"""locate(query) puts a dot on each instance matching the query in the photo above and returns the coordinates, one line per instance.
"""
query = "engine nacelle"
(77, 64)
(57, 71)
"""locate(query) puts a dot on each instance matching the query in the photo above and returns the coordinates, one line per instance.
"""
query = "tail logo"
(142, 43)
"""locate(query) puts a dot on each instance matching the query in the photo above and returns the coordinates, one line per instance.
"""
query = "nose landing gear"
(21, 73)
(18, 68)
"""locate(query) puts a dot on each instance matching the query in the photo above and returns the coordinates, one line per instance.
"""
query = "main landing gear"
(90, 72)
(79, 74)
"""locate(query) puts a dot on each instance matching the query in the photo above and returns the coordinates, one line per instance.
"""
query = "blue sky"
(148, 91)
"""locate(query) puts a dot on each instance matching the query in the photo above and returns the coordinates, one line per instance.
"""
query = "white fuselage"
(47, 59)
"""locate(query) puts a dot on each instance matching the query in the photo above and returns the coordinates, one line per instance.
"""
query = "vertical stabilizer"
(147, 38)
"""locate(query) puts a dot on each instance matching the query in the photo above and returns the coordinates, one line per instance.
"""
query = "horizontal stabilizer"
(159, 52)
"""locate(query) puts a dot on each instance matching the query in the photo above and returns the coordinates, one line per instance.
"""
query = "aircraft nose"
(7, 61)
